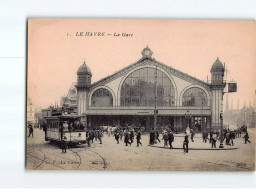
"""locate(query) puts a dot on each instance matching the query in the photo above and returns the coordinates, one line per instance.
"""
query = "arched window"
(101, 98)
(138, 89)
(194, 97)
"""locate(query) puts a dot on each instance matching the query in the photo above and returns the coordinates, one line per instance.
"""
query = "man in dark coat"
(151, 137)
(63, 144)
(232, 136)
(117, 137)
(171, 139)
(227, 137)
(246, 138)
(131, 135)
(165, 137)
(192, 134)
(31, 130)
(138, 137)
(126, 138)
(92, 135)
(45, 129)
(157, 135)
(185, 143)
(211, 134)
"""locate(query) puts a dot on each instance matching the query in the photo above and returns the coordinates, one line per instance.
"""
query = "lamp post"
(221, 136)
(155, 109)
(202, 115)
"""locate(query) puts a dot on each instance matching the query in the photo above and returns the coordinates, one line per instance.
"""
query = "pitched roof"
(146, 61)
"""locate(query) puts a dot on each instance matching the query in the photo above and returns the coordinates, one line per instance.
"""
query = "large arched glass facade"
(194, 97)
(138, 89)
(102, 98)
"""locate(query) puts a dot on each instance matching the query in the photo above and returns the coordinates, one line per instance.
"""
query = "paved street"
(112, 156)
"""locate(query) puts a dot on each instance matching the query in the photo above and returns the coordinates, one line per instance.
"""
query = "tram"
(69, 127)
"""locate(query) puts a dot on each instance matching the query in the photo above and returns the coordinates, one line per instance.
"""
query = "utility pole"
(202, 99)
(155, 108)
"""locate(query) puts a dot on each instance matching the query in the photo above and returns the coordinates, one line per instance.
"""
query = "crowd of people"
(226, 136)
(128, 134)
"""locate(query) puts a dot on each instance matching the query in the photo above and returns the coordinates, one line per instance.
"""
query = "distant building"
(239, 117)
(38, 115)
(30, 111)
(62, 100)
(69, 103)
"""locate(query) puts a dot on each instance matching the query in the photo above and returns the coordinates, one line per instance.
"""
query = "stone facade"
(176, 114)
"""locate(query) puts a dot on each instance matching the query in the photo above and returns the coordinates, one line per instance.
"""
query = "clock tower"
(146, 52)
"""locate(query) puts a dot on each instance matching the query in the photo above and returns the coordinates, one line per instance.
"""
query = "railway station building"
(148, 88)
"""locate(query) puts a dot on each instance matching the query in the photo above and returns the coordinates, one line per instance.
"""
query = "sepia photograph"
(140, 95)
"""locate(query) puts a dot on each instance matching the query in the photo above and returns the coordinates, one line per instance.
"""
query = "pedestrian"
(246, 138)
(171, 139)
(63, 144)
(151, 137)
(131, 135)
(157, 136)
(214, 139)
(126, 138)
(100, 135)
(227, 137)
(232, 136)
(116, 135)
(205, 136)
(192, 135)
(30, 128)
(165, 137)
(211, 134)
(138, 137)
(45, 130)
(88, 137)
(92, 135)
(185, 143)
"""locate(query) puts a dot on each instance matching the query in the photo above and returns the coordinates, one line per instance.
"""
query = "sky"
(191, 46)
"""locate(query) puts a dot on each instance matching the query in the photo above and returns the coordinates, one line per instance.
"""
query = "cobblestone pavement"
(112, 156)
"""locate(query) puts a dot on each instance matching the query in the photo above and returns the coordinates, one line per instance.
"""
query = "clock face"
(147, 52)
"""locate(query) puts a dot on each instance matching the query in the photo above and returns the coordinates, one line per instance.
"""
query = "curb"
(195, 148)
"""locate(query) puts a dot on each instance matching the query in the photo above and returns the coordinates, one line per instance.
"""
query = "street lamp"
(221, 138)
(202, 114)
(155, 106)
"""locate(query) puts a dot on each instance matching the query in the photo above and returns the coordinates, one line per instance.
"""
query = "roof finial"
(217, 58)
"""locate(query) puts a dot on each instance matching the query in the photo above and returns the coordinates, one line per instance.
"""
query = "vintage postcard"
(141, 95)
